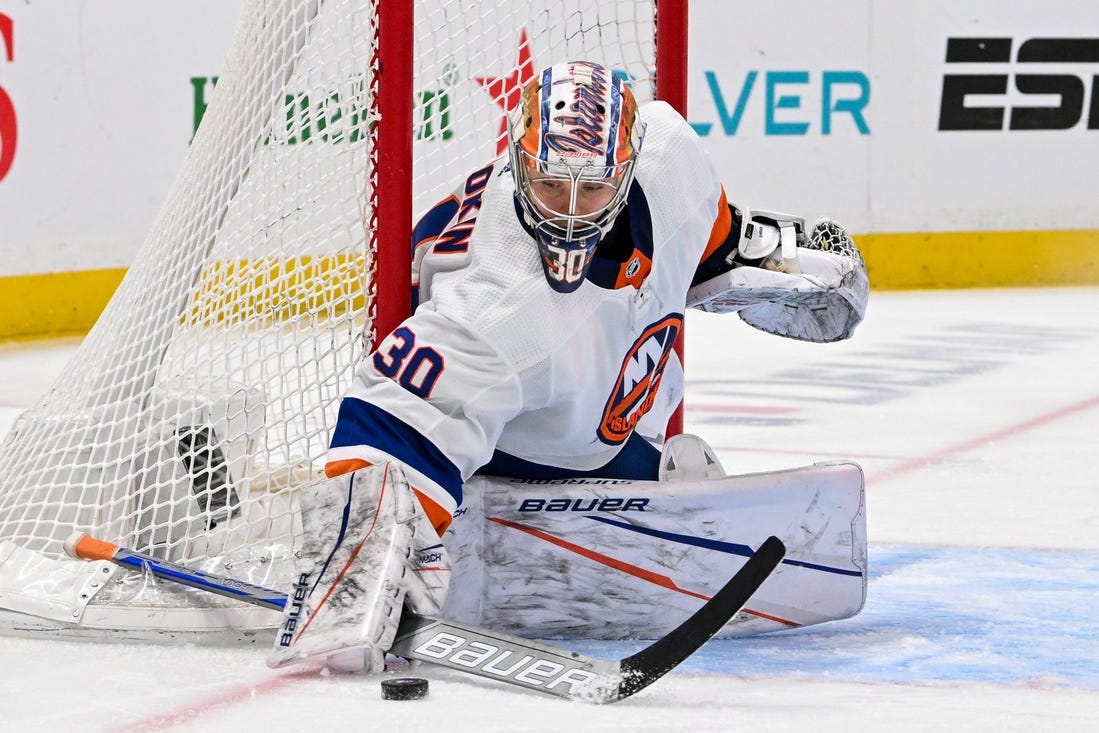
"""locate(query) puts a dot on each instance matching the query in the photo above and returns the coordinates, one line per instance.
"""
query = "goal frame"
(68, 608)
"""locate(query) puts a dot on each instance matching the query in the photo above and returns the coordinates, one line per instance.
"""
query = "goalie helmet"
(573, 143)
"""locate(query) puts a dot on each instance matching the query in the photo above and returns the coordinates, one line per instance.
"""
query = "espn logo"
(1066, 89)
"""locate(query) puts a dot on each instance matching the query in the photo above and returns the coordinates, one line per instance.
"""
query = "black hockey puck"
(404, 688)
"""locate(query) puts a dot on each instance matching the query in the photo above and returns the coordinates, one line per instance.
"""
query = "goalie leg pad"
(358, 562)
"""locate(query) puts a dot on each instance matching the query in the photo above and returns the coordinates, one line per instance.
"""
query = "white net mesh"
(208, 389)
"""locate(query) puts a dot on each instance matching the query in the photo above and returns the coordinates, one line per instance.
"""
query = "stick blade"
(653, 662)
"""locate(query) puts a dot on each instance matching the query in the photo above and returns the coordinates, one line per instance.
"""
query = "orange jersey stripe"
(332, 469)
(439, 517)
(723, 224)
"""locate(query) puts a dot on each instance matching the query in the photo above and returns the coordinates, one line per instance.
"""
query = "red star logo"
(505, 91)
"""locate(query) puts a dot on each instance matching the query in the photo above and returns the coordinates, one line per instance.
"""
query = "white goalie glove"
(368, 552)
(818, 294)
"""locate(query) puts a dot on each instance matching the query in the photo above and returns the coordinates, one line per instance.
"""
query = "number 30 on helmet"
(573, 143)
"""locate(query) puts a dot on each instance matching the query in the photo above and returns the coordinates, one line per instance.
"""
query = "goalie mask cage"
(208, 389)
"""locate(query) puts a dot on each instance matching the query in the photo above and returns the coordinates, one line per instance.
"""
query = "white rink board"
(104, 102)
(901, 173)
(103, 105)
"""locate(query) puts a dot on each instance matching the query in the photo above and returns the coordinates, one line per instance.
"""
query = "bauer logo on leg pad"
(604, 504)
(295, 605)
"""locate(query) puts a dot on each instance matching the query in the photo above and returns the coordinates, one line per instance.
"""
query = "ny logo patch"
(639, 379)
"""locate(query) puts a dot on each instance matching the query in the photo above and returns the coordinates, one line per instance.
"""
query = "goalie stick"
(485, 653)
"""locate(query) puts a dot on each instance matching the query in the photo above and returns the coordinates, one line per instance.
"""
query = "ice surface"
(975, 415)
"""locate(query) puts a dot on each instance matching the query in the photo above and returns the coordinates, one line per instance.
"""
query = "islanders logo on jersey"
(639, 379)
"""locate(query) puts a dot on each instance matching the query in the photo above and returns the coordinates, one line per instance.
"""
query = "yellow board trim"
(981, 259)
(54, 304)
(34, 306)
(280, 290)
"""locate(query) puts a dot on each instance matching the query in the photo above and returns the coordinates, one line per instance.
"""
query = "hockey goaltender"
(507, 439)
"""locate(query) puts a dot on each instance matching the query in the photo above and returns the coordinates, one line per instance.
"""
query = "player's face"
(585, 199)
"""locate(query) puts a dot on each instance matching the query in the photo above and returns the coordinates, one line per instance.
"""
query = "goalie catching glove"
(368, 551)
(817, 294)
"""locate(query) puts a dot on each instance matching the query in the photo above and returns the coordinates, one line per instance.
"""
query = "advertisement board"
(972, 123)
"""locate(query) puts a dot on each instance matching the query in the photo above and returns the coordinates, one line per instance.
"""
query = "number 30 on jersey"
(417, 369)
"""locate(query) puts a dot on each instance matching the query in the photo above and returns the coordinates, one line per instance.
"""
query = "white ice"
(975, 415)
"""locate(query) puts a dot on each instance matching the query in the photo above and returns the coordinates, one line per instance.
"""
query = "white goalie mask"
(573, 143)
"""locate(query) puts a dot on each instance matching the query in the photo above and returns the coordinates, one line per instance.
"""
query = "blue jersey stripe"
(638, 460)
(361, 423)
(434, 222)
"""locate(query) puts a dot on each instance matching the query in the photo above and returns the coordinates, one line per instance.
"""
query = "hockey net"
(207, 391)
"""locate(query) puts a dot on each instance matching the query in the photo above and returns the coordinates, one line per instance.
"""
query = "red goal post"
(208, 389)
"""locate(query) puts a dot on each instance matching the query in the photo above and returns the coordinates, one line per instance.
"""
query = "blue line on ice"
(939, 614)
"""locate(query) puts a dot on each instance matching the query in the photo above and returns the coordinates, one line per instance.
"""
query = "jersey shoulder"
(672, 157)
(682, 187)
(443, 236)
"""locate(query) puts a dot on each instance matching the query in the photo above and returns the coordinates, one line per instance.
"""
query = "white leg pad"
(357, 563)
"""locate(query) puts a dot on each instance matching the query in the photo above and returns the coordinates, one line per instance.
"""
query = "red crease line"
(187, 713)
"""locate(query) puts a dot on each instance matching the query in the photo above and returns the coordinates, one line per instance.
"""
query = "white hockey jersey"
(495, 371)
